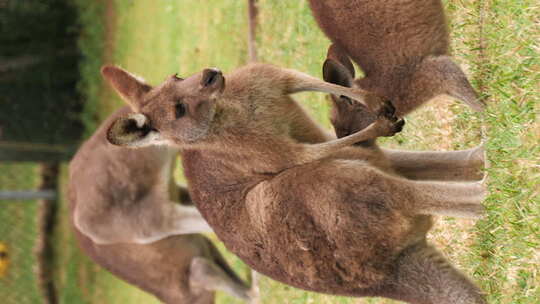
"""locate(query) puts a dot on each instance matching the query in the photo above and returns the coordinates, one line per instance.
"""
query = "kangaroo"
(348, 116)
(401, 46)
(315, 216)
(125, 218)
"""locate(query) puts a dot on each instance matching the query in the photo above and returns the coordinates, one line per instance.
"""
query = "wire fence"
(39, 121)
(18, 234)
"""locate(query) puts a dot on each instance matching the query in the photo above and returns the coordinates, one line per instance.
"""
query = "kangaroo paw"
(388, 122)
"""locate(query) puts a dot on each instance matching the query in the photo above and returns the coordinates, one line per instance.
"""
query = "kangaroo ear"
(132, 131)
(334, 72)
(212, 81)
(130, 87)
(340, 57)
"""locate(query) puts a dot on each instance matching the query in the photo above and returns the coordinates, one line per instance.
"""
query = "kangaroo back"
(379, 35)
(401, 46)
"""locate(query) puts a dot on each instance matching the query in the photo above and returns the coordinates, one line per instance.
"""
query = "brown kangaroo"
(400, 45)
(321, 217)
(348, 116)
(125, 215)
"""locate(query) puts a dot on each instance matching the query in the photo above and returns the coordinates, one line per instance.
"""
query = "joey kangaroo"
(348, 117)
(315, 216)
(400, 45)
(126, 219)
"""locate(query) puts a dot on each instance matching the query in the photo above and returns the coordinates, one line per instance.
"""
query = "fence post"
(46, 218)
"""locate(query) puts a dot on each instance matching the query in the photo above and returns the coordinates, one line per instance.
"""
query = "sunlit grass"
(18, 229)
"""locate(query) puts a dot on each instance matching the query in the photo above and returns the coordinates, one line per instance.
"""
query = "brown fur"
(322, 217)
(348, 116)
(132, 185)
(402, 47)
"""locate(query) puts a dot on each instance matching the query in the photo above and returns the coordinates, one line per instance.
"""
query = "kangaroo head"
(177, 112)
(347, 116)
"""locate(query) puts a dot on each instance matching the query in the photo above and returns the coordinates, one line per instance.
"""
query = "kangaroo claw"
(398, 127)
(388, 110)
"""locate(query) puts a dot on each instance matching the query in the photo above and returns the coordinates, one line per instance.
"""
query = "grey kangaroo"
(400, 45)
(348, 116)
(318, 216)
(125, 210)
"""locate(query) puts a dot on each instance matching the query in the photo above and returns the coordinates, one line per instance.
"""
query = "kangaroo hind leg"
(423, 276)
(459, 199)
(463, 165)
(208, 275)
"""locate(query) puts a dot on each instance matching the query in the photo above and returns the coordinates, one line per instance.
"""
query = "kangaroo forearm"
(300, 82)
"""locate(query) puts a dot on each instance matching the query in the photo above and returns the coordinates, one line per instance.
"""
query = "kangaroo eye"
(179, 110)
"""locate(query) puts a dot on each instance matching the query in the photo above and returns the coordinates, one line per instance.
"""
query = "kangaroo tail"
(443, 76)
(423, 275)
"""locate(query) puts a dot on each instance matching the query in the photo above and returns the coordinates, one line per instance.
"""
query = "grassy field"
(18, 227)
(495, 41)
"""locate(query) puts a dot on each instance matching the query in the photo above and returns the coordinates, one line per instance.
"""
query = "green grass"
(501, 253)
(18, 229)
(509, 239)
(92, 43)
